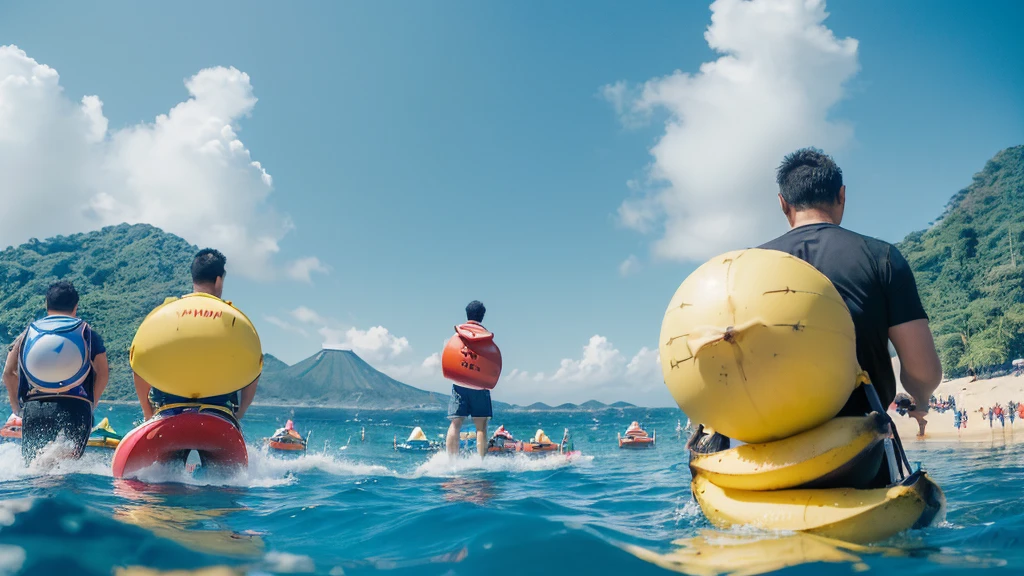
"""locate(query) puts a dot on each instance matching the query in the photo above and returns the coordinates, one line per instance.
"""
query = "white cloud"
(599, 360)
(303, 269)
(601, 372)
(284, 325)
(307, 316)
(629, 266)
(729, 125)
(186, 172)
(376, 344)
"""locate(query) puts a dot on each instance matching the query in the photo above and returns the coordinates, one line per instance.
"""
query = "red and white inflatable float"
(471, 358)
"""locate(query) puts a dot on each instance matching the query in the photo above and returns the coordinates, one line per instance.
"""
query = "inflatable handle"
(470, 336)
(714, 334)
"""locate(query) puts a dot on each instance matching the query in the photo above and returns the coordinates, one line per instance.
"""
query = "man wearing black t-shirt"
(871, 276)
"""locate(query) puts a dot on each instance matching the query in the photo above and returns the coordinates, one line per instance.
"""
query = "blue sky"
(426, 154)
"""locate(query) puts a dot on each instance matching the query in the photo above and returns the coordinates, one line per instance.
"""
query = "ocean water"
(353, 506)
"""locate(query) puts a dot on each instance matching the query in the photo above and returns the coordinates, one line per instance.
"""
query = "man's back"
(877, 285)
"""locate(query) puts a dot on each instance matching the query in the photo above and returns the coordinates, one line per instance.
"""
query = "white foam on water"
(441, 465)
(12, 559)
(285, 563)
(51, 461)
(264, 471)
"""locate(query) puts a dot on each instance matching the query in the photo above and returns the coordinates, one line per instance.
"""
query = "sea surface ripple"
(358, 507)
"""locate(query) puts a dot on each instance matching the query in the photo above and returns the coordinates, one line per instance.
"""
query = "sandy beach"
(980, 394)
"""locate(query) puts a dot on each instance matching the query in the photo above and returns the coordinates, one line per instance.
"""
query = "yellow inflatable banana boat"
(197, 346)
(847, 514)
(777, 485)
(804, 460)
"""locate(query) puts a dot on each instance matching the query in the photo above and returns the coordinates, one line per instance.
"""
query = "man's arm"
(101, 372)
(248, 393)
(920, 369)
(142, 391)
(10, 378)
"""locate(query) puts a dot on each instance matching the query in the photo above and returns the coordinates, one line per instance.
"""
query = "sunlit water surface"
(356, 507)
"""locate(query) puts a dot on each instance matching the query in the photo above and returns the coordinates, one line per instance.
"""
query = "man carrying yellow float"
(56, 372)
(782, 347)
(208, 271)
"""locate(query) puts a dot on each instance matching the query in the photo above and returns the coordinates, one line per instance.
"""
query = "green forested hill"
(121, 273)
(969, 268)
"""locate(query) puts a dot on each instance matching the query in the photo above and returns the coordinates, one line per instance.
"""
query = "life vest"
(471, 357)
(55, 358)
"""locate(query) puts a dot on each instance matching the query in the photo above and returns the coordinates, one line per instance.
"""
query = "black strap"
(876, 404)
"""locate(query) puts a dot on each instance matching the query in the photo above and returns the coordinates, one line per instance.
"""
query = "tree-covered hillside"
(969, 268)
(121, 273)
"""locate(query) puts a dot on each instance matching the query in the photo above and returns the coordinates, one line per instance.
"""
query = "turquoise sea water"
(368, 509)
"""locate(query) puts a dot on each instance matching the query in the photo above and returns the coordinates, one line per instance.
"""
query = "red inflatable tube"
(471, 358)
(170, 438)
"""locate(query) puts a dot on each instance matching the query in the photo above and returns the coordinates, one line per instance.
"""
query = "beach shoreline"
(975, 397)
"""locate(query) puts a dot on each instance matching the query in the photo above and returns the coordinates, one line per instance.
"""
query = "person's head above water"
(208, 272)
(811, 188)
(62, 298)
(475, 311)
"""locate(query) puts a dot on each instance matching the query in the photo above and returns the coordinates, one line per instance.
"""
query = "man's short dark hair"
(475, 311)
(207, 266)
(61, 296)
(809, 178)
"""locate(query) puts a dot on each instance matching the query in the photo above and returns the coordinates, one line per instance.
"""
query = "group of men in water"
(57, 409)
(873, 278)
(63, 410)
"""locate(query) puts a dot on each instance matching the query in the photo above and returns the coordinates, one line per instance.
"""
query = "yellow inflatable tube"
(859, 516)
(758, 345)
(197, 346)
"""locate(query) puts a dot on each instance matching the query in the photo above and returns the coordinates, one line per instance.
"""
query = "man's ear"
(842, 195)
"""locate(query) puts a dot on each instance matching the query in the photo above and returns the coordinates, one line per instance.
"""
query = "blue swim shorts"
(468, 402)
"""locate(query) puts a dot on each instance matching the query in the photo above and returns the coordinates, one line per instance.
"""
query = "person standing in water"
(469, 402)
(208, 271)
(56, 372)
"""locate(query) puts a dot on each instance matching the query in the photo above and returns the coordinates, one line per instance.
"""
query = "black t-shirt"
(879, 289)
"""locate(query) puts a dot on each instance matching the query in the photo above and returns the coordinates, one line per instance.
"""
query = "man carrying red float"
(473, 361)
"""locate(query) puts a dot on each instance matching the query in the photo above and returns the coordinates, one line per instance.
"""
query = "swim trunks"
(45, 419)
(469, 402)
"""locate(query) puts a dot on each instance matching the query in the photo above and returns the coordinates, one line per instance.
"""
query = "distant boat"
(502, 442)
(287, 439)
(11, 429)
(417, 442)
(104, 436)
(637, 437)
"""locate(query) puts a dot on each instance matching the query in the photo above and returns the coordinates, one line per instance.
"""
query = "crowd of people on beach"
(997, 412)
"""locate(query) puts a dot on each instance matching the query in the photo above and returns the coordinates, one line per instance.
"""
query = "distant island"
(341, 379)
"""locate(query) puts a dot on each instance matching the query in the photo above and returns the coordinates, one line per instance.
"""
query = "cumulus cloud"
(601, 372)
(710, 187)
(303, 269)
(373, 344)
(186, 172)
(285, 325)
(307, 316)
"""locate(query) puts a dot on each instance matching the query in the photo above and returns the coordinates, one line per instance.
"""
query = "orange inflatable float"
(471, 357)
